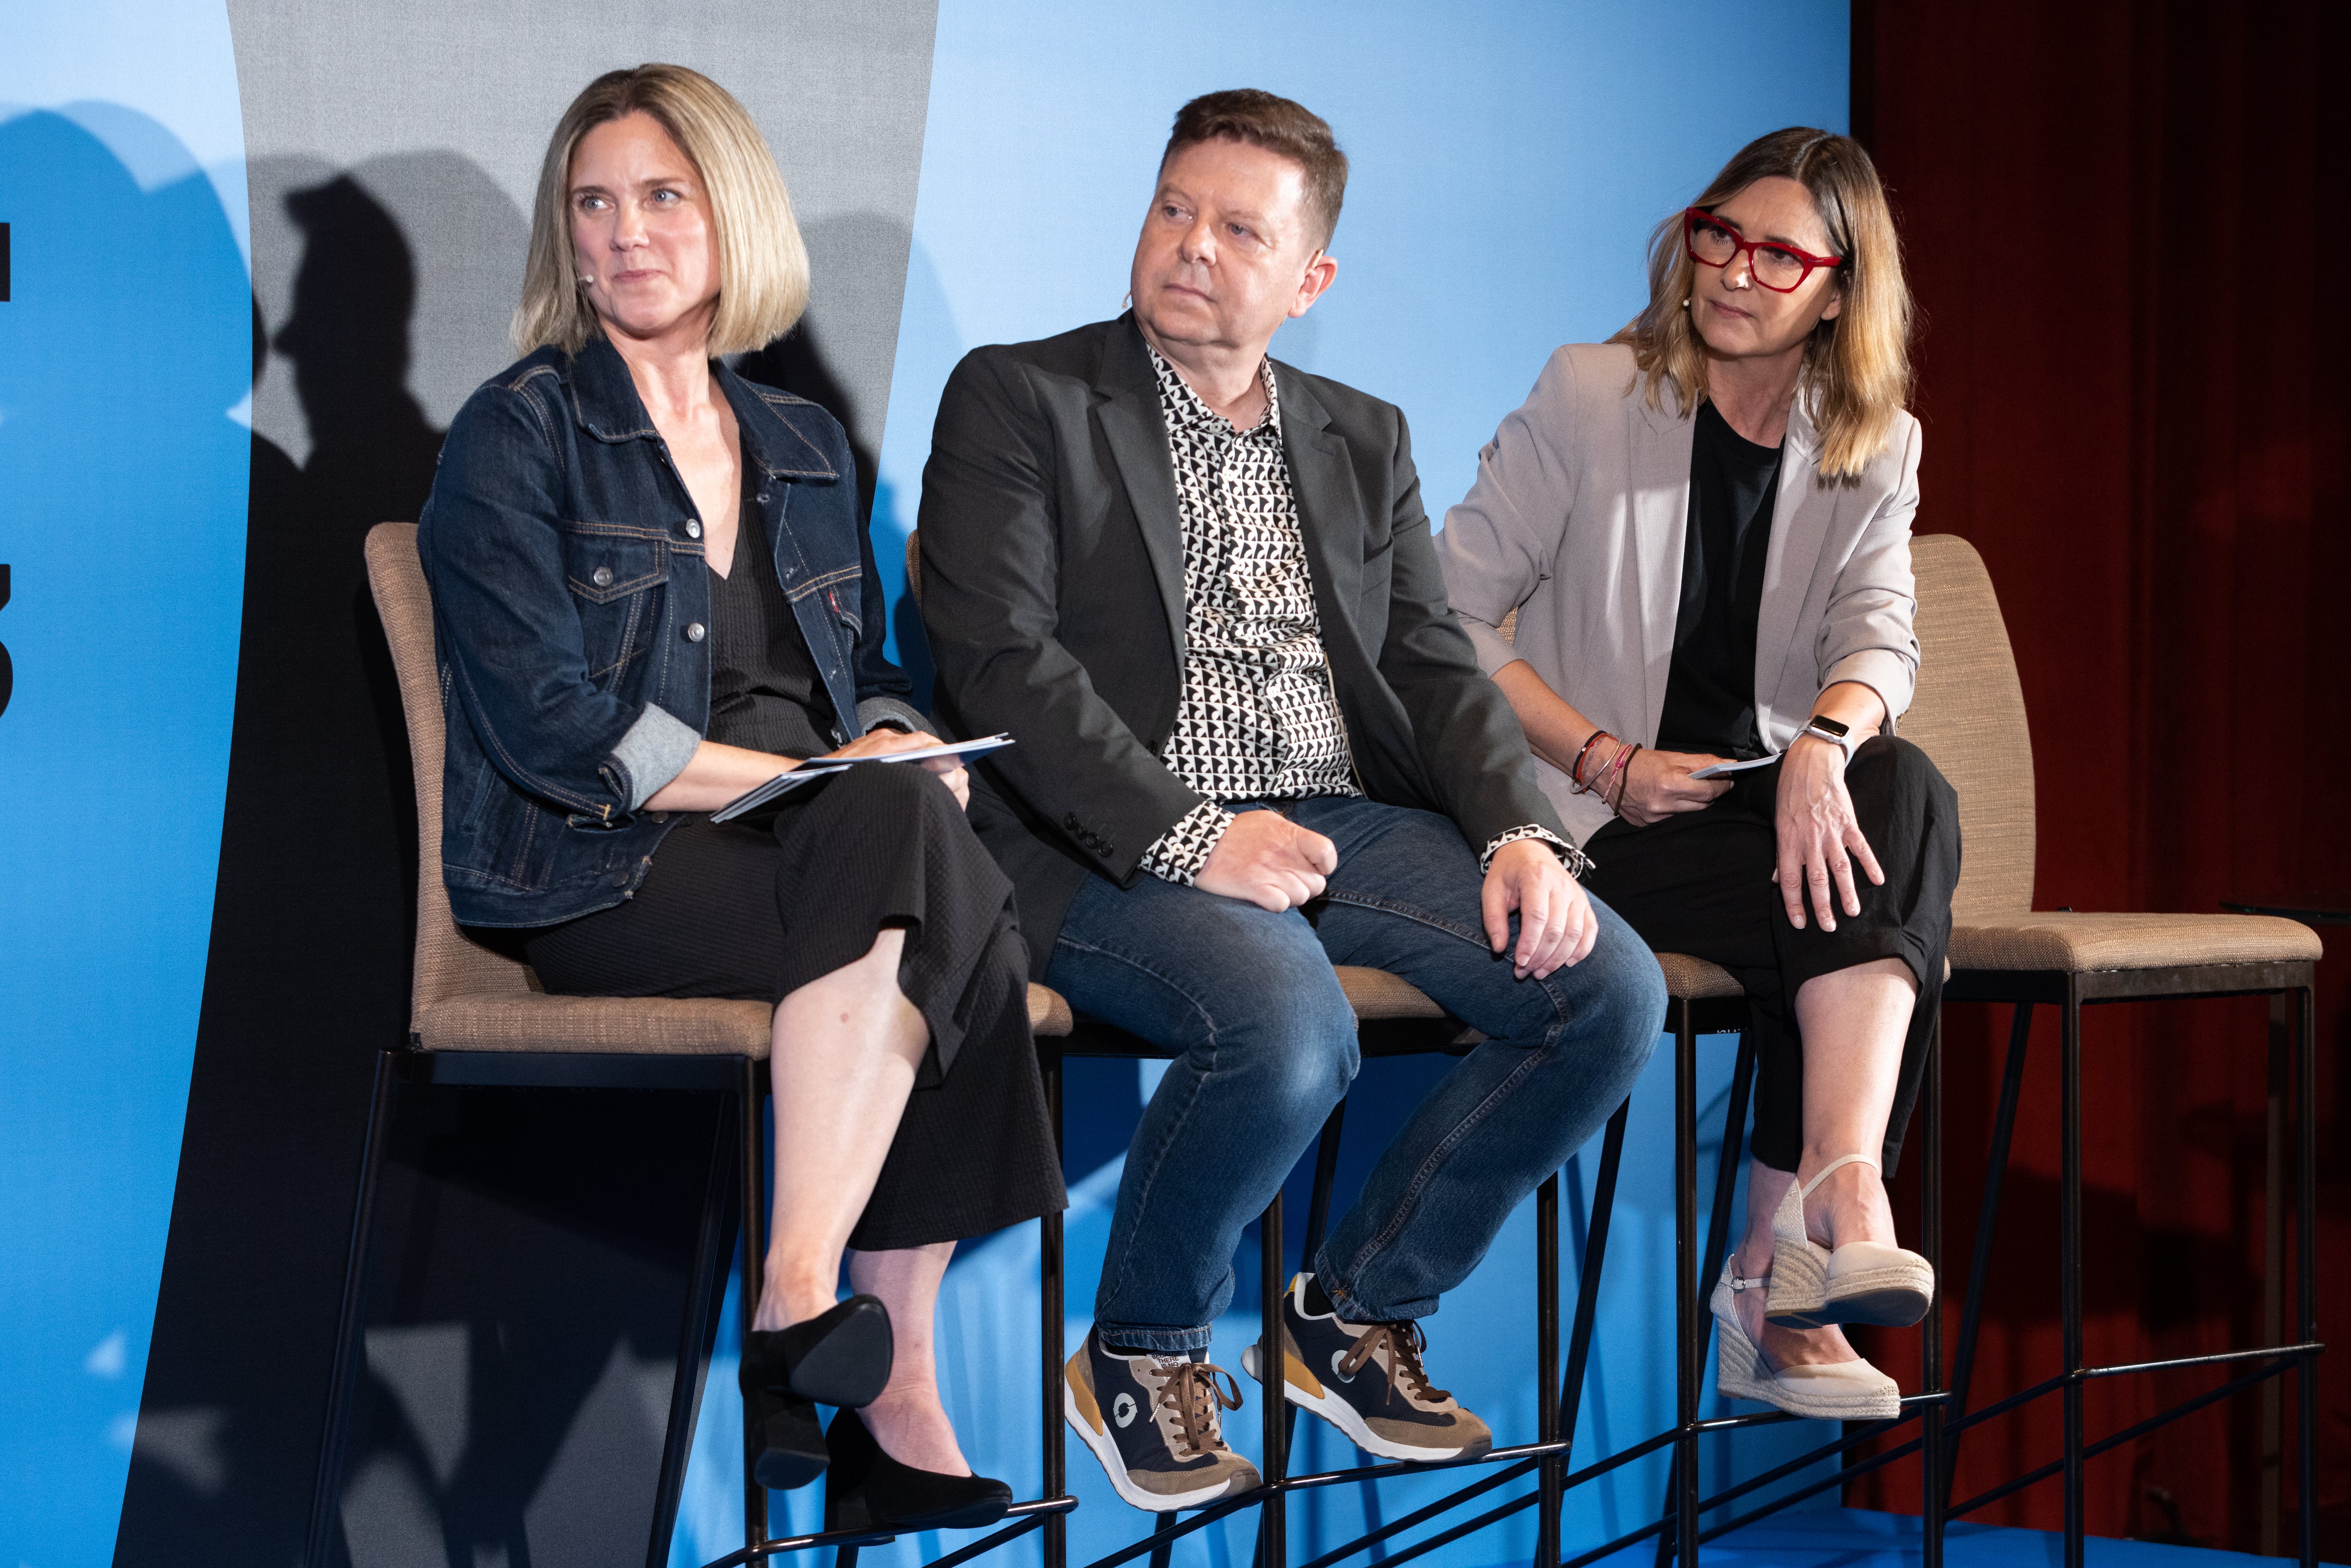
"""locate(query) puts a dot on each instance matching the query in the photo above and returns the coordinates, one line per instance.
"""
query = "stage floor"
(1858, 1538)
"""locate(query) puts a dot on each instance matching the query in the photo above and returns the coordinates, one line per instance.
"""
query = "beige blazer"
(1577, 522)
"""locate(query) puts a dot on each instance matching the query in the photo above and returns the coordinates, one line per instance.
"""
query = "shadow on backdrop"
(531, 1249)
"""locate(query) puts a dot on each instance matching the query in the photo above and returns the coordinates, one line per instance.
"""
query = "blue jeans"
(1267, 1044)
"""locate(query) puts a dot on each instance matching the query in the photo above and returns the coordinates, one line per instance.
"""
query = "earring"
(1685, 298)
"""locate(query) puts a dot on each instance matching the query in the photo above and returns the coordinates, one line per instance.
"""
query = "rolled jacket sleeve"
(510, 636)
(875, 712)
(1869, 635)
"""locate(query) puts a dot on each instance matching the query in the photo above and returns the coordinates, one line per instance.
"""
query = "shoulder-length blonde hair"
(763, 265)
(1856, 374)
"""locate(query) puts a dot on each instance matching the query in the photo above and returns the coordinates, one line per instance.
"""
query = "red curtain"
(2125, 224)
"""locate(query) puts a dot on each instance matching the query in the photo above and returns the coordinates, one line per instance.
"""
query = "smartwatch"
(1836, 734)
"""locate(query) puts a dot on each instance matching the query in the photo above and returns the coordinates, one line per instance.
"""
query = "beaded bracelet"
(1599, 785)
(1619, 765)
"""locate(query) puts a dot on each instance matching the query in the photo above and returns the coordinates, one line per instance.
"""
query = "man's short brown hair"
(1277, 125)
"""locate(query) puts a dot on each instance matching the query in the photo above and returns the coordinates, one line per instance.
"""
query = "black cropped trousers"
(733, 910)
(1700, 883)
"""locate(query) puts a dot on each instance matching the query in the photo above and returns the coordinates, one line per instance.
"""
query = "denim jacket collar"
(605, 402)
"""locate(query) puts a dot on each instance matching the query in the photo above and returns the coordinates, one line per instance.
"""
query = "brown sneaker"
(1154, 1423)
(1366, 1379)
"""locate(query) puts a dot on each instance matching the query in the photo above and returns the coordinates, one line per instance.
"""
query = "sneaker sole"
(1105, 1453)
(1349, 1421)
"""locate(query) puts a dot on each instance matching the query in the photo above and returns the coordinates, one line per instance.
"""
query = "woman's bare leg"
(845, 1051)
(1853, 1022)
(908, 1420)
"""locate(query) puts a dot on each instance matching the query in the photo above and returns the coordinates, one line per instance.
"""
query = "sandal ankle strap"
(1837, 1163)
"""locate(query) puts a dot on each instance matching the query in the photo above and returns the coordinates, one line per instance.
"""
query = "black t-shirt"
(1710, 695)
(766, 693)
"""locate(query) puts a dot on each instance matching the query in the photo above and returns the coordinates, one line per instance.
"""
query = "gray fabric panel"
(439, 111)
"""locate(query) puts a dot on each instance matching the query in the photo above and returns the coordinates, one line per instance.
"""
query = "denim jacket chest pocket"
(612, 569)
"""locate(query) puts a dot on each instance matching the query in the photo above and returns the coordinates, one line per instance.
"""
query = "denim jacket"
(571, 611)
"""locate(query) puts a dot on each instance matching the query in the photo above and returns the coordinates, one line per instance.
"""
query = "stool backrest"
(1968, 716)
(448, 962)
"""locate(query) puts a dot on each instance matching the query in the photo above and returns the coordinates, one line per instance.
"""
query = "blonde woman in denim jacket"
(652, 592)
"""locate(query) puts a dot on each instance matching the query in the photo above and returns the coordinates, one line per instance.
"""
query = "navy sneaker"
(1366, 1379)
(1154, 1423)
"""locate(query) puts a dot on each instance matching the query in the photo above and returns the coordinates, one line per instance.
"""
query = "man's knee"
(1629, 986)
(1291, 1028)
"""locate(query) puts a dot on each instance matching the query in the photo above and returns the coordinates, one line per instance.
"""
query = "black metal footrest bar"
(1528, 1453)
(2052, 1384)
(2287, 1358)
(1025, 1516)
(2307, 1347)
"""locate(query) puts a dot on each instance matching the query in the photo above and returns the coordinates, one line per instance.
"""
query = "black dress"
(1700, 882)
(756, 912)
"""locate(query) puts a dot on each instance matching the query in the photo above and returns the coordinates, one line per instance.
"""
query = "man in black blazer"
(1198, 588)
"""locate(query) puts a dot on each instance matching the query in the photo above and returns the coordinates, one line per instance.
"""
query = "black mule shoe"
(838, 1357)
(868, 1489)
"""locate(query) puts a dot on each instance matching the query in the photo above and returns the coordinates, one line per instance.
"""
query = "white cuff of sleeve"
(1576, 860)
(1179, 854)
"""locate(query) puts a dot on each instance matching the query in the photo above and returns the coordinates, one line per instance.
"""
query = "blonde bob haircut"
(763, 265)
(1857, 372)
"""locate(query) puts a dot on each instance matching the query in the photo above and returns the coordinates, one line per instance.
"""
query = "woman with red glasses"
(1704, 526)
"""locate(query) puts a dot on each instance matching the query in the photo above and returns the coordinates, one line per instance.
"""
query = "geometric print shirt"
(1256, 719)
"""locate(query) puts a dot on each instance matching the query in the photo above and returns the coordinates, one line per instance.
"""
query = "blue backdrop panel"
(1509, 161)
(125, 347)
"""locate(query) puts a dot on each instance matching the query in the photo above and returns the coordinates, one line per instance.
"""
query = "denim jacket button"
(694, 632)
(603, 576)
(693, 530)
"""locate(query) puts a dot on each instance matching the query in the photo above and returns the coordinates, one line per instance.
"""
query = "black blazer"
(1052, 569)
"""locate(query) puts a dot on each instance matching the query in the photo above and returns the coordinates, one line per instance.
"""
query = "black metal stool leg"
(2069, 1225)
(1686, 1304)
(2003, 1129)
(1552, 1469)
(1273, 1533)
(1051, 1290)
(1587, 1289)
(1717, 1230)
(1318, 1220)
(1930, 1347)
(2305, 1277)
(754, 1255)
(1163, 1548)
(350, 1352)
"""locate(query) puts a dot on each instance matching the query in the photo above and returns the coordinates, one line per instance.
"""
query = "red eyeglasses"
(1783, 268)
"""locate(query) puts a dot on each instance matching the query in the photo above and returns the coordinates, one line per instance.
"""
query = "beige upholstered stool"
(1969, 717)
(478, 1016)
